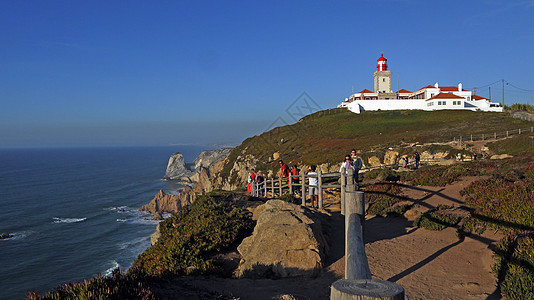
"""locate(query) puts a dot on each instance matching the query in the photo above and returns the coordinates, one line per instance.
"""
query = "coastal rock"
(176, 167)
(390, 158)
(163, 202)
(155, 236)
(287, 242)
(5, 235)
(500, 156)
(374, 161)
(209, 158)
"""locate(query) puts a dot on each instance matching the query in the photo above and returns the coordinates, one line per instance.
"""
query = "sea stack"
(176, 168)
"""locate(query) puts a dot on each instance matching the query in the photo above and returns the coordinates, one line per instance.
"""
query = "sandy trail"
(428, 264)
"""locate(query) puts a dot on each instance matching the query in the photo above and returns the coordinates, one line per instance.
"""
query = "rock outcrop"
(287, 242)
(164, 203)
(176, 168)
(209, 158)
(5, 235)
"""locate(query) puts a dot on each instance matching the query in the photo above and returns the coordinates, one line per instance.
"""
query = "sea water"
(74, 212)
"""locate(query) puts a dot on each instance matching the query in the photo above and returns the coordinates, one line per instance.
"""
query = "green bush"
(437, 219)
(381, 174)
(439, 175)
(290, 198)
(515, 266)
(382, 198)
(206, 226)
(118, 286)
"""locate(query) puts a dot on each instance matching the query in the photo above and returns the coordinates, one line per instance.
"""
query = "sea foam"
(68, 220)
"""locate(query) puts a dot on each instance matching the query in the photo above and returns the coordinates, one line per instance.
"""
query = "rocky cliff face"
(176, 168)
(208, 158)
(287, 242)
(163, 202)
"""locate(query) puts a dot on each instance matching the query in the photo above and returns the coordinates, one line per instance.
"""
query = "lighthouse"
(382, 63)
(382, 79)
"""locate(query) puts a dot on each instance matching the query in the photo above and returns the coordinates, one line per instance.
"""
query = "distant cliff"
(176, 168)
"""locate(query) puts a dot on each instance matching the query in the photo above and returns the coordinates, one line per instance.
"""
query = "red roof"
(445, 96)
(449, 88)
(427, 87)
(477, 97)
(365, 91)
(382, 58)
(403, 91)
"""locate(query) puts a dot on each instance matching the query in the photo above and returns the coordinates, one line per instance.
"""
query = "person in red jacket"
(284, 169)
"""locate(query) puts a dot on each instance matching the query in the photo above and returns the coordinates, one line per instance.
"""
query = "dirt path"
(428, 264)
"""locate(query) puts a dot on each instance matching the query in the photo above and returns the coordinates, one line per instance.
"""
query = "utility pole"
(474, 91)
(503, 92)
(489, 88)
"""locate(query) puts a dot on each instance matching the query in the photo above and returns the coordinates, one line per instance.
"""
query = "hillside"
(326, 136)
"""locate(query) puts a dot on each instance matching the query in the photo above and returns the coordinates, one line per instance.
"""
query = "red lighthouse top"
(382, 63)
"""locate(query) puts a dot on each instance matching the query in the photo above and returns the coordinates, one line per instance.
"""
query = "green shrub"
(439, 175)
(382, 198)
(206, 226)
(516, 145)
(437, 219)
(515, 266)
(381, 174)
(290, 198)
(118, 286)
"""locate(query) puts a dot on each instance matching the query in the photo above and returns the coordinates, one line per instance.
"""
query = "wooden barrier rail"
(358, 283)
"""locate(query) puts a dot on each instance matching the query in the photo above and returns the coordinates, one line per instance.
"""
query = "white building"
(426, 98)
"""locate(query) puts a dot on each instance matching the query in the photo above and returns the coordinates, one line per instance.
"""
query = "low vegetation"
(438, 218)
(439, 175)
(385, 199)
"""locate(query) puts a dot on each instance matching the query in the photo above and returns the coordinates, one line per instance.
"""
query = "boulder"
(287, 242)
(163, 202)
(208, 158)
(390, 158)
(500, 156)
(176, 167)
(5, 235)
(374, 161)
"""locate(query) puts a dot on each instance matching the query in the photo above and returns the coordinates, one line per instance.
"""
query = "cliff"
(176, 168)
(165, 203)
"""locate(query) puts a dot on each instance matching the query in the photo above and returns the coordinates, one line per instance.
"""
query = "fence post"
(495, 135)
(519, 130)
(531, 129)
(272, 187)
(291, 185)
(356, 265)
(265, 188)
(320, 183)
(254, 188)
(303, 187)
(280, 186)
(506, 133)
(343, 182)
(471, 138)
(358, 283)
(482, 136)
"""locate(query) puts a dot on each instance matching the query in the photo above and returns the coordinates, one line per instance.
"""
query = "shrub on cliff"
(515, 266)
(118, 286)
(439, 175)
(382, 199)
(208, 225)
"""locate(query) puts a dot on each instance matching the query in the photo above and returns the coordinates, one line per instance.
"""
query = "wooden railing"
(358, 283)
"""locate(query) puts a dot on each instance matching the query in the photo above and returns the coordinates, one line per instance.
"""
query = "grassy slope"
(325, 136)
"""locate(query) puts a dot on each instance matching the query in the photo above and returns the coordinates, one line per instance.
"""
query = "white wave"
(122, 220)
(110, 270)
(68, 220)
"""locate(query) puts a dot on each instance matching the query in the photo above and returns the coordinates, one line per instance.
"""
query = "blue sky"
(127, 73)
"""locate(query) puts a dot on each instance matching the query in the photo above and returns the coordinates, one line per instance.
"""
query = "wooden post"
(519, 130)
(265, 188)
(254, 188)
(495, 135)
(482, 136)
(531, 129)
(320, 187)
(272, 187)
(343, 182)
(303, 187)
(356, 265)
(358, 283)
(280, 186)
(471, 138)
(506, 133)
(368, 289)
(291, 185)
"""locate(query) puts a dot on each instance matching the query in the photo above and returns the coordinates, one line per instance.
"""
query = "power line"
(508, 83)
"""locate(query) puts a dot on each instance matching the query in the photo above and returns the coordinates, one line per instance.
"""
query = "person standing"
(260, 179)
(296, 180)
(357, 163)
(417, 159)
(251, 179)
(314, 189)
(284, 169)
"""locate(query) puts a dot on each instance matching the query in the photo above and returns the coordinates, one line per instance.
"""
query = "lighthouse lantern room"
(382, 79)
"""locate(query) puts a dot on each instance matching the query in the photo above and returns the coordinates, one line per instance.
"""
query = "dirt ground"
(428, 264)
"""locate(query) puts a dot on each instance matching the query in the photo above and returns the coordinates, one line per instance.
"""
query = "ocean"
(74, 212)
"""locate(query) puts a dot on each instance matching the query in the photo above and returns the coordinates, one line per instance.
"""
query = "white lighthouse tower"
(382, 79)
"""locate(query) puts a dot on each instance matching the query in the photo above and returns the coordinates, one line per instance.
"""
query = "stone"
(390, 158)
(208, 158)
(5, 235)
(501, 156)
(176, 167)
(276, 155)
(163, 202)
(374, 161)
(287, 242)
